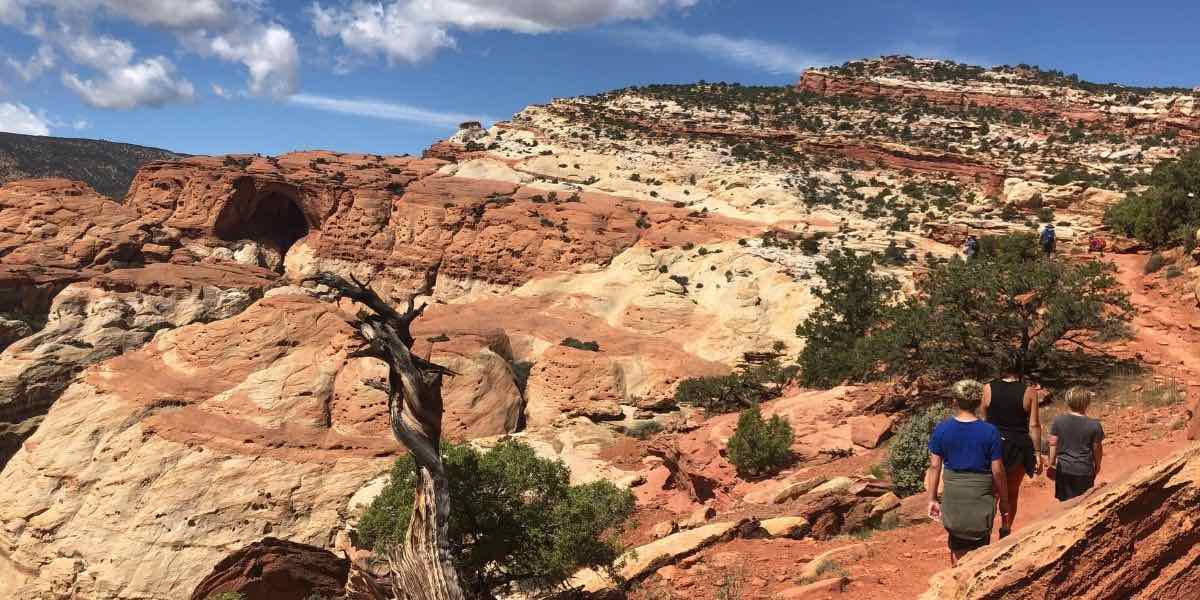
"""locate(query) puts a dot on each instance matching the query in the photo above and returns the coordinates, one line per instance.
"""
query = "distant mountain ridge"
(108, 167)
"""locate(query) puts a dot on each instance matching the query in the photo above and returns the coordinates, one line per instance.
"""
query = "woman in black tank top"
(1012, 407)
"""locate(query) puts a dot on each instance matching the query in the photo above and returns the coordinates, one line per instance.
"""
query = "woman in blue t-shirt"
(971, 452)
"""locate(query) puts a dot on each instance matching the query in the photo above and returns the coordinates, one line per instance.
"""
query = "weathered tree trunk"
(422, 567)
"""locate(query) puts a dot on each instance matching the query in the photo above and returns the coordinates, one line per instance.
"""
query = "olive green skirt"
(968, 505)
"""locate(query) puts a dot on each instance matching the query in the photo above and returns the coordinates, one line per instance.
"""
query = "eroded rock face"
(107, 316)
(207, 438)
(1134, 539)
(274, 569)
(178, 453)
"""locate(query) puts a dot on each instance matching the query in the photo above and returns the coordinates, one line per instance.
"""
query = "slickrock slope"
(1134, 539)
(105, 317)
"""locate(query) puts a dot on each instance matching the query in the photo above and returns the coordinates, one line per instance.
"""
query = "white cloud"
(167, 14)
(221, 92)
(269, 53)
(151, 82)
(758, 54)
(98, 52)
(414, 30)
(41, 61)
(80, 124)
(230, 30)
(12, 12)
(380, 109)
(18, 118)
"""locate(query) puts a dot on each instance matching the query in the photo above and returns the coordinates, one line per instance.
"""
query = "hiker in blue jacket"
(1049, 239)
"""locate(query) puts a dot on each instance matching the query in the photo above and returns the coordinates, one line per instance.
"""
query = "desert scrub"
(581, 345)
(759, 446)
(908, 456)
(514, 516)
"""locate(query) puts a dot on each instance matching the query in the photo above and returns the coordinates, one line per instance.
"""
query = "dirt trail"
(899, 562)
(1168, 322)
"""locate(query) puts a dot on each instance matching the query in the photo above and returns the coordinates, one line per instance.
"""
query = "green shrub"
(513, 516)
(1154, 263)
(748, 385)
(1174, 271)
(643, 429)
(760, 446)
(1168, 212)
(581, 345)
(908, 455)
(853, 300)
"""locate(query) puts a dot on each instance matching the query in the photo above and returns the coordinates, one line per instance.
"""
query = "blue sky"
(392, 76)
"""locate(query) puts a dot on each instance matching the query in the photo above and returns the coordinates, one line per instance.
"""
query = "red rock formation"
(900, 157)
(1012, 98)
(398, 218)
(274, 569)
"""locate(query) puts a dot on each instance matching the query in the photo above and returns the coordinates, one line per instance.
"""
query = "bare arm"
(1052, 460)
(986, 401)
(1035, 424)
(933, 480)
(1000, 481)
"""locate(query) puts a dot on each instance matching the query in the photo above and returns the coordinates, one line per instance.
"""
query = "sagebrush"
(760, 446)
(908, 455)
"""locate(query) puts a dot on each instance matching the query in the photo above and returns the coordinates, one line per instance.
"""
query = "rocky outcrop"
(406, 222)
(176, 454)
(1133, 539)
(1176, 111)
(107, 316)
(210, 436)
(274, 569)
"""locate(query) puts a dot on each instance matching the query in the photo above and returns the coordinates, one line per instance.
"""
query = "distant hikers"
(1049, 239)
(1076, 447)
(1096, 244)
(972, 454)
(1011, 405)
(970, 247)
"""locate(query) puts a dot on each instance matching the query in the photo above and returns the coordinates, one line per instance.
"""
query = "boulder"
(836, 484)
(884, 505)
(834, 585)
(644, 560)
(834, 560)
(784, 491)
(832, 514)
(869, 431)
(1133, 539)
(274, 569)
(789, 527)
(914, 510)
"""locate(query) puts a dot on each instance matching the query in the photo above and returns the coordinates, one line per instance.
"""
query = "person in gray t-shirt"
(1076, 447)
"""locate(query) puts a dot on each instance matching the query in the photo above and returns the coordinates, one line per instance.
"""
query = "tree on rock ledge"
(422, 566)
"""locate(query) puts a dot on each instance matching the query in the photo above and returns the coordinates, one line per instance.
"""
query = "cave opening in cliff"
(272, 218)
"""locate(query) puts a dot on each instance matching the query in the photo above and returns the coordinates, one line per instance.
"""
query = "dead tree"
(422, 567)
